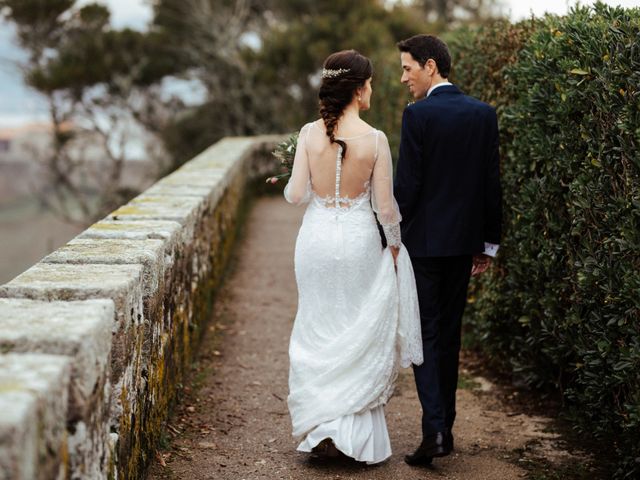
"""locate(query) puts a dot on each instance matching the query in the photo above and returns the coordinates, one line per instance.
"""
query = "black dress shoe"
(438, 445)
(448, 440)
(418, 458)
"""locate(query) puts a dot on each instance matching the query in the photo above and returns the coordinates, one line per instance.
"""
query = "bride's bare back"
(357, 165)
(367, 166)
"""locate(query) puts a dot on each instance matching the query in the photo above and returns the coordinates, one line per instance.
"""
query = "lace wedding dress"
(357, 318)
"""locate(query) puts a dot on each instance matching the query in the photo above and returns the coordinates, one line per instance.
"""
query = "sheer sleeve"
(298, 189)
(382, 199)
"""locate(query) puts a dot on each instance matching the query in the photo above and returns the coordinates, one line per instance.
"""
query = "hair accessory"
(330, 73)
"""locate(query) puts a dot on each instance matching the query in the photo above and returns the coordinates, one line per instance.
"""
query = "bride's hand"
(394, 252)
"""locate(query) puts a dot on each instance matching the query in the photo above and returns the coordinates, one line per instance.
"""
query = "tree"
(101, 86)
(211, 42)
(449, 11)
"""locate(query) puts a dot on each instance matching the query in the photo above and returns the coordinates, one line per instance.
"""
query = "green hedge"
(561, 307)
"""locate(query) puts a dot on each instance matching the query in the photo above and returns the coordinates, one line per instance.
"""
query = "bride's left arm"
(298, 189)
(382, 199)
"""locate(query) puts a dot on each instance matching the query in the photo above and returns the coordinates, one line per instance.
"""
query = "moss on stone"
(147, 199)
(8, 386)
(129, 209)
(110, 226)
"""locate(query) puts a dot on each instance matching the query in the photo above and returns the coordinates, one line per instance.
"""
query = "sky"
(519, 9)
(19, 104)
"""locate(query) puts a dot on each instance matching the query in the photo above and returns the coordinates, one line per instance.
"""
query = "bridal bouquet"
(285, 153)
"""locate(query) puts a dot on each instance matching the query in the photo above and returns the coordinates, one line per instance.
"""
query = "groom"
(448, 190)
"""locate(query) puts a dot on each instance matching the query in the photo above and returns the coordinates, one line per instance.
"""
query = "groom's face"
(416, 77)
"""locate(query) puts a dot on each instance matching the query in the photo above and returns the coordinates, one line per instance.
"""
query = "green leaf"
(579, 71)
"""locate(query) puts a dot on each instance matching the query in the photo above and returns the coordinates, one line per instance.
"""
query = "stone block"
(184, 181)
(184, 210)
(171, 233)
(80, 330)
(180, 190)
(18, 436)
(120, 283)
(149, 253)
(33, 401)
(134, 230)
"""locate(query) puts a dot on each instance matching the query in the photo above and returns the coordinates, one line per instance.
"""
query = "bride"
(357, 318)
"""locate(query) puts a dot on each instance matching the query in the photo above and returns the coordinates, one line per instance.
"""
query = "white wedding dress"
(357, 318)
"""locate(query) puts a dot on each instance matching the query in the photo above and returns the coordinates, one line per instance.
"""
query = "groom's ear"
(431, 66)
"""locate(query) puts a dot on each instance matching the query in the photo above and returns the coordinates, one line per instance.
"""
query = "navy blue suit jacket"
(448, 176)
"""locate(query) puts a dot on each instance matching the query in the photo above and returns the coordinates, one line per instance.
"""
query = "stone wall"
(95, 337)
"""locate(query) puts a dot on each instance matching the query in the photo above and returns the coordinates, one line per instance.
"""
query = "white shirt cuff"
(491, 249)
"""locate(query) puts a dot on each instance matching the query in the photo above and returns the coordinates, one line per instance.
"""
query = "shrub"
(561, 307)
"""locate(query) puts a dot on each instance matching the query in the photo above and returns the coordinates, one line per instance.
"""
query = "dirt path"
(232, 422)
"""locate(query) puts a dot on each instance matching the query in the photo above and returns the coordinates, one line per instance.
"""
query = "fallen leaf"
(160, 459)
(174, 429)
(207, 445)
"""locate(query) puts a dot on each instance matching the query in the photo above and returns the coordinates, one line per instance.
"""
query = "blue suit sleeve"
(409, 170)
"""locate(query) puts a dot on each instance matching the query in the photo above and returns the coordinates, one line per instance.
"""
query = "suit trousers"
(442, 295)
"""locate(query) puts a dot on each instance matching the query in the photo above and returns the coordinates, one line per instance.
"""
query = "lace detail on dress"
(409, 326)
(344, 203)
(392, 234)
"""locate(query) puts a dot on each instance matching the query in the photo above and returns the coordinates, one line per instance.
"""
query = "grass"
(466, 382)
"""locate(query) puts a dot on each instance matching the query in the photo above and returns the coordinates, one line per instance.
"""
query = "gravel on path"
(232, 422)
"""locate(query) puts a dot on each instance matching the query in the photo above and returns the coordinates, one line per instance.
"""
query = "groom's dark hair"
(424, 47)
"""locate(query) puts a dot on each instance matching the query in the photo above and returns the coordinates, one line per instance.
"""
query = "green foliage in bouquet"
(561, 307)
(285, 152)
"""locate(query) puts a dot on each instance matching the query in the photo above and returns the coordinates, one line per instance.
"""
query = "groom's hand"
(480, 263)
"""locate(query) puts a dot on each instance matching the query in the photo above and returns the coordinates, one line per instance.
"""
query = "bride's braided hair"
(347, 71)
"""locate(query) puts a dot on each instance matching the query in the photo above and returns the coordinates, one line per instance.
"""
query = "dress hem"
(363, 437)
(368, 462)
